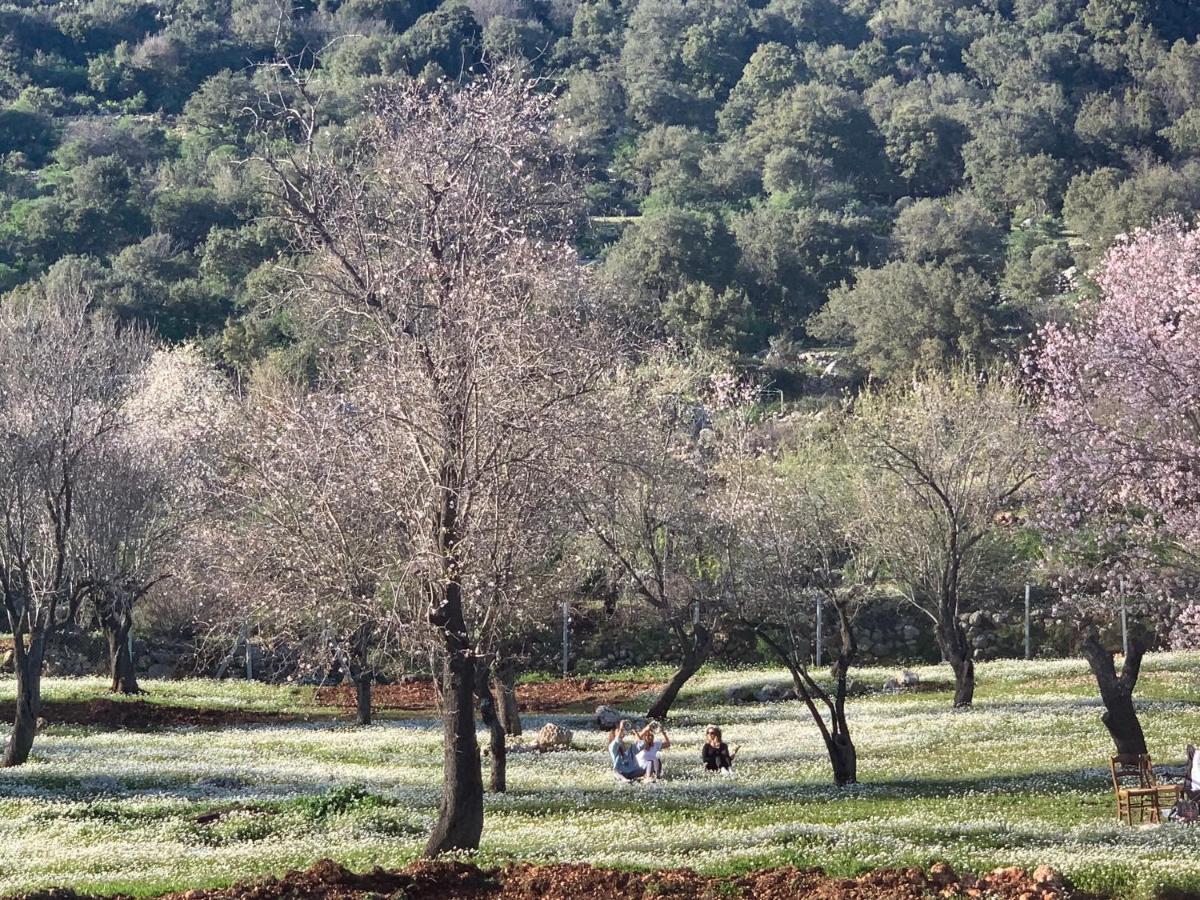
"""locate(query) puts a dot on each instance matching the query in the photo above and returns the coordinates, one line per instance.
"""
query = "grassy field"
(1020, 779)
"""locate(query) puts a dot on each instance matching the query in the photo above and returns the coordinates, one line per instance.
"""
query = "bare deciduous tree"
(642, 505)
(65, 376)
(944, 460)
(787, 516)
(438, 245)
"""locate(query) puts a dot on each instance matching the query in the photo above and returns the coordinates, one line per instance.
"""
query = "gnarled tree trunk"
(121, 670)
(27, 663)
(843, 758)
(362, 697)
(695, 655)
(1116, 690)
(460, 818)
(952, 639)
(504, 682)
(489, 711)
(362, 674)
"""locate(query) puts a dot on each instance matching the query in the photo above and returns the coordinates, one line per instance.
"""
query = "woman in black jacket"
(715, 752)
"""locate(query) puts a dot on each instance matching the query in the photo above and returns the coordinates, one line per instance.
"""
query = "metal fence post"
(820, 636)
(566, 638)
(1028, 625)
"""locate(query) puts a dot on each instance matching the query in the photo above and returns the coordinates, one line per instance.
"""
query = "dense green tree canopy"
(748, 161)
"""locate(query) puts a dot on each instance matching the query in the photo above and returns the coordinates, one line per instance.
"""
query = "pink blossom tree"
(1120, 414)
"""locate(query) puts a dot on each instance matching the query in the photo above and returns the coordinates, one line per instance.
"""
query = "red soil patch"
(460, 881)
(140, 715)
(546, 696)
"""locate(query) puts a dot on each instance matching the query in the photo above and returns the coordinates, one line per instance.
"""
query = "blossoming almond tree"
(312, 537)
(642, 505)
(143, 488)
(788, 517)
(1120, 414)
(65, 376)
(438, 245)
(942, 460)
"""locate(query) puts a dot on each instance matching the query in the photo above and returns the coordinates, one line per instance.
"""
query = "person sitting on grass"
(715, 752)
(648, 748)
(624, 756)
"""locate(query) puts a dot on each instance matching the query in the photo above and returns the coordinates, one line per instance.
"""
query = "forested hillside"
(910, 179)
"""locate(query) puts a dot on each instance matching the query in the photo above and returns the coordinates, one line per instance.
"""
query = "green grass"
(1018, 780)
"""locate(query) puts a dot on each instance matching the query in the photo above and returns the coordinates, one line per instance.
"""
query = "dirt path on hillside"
(459, 881)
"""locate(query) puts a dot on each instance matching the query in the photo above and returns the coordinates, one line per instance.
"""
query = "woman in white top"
(648, 748)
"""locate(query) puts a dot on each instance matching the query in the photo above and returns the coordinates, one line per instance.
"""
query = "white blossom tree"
(143, 488)
(65, 377)
(438, 245)
(313, 539)
(944, 459)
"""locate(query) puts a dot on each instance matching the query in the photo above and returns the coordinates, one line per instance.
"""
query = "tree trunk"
(505, 682)
(964, 681)
(28, 668)
(489, 711)
(362, 697)
(121, 670)
(1120, 715)
(694, 657)
(460, 817)
(844, 759)
(952, 639)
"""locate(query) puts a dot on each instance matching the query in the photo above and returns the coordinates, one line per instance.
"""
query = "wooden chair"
(1138, 793)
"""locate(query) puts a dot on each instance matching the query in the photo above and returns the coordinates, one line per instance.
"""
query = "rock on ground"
(553, 736)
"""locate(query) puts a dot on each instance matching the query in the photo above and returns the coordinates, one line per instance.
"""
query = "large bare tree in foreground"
(439, 246)
(65, 376)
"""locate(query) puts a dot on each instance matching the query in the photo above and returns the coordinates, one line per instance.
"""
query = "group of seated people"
(641, 760)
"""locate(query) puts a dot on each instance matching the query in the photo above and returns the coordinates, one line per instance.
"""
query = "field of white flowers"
(1021, 779)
